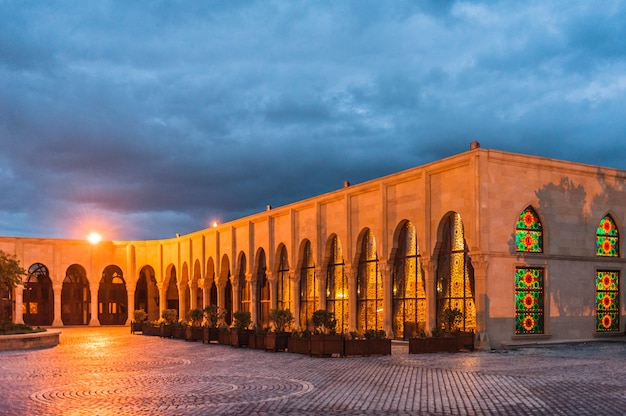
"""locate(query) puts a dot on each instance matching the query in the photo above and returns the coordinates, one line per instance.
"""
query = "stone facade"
(484, 190)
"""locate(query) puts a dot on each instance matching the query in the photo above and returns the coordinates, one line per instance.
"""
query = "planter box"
(210, 335)
(136, 327)
(194, 333)
(166, 331)
(433, 345)
(327, 345)
(465, 341)
(365, 347)
(223, 337)
(299, 345)
(257, 341)
(240, 337)
(277, 341)
(179, 332)
(151, 330)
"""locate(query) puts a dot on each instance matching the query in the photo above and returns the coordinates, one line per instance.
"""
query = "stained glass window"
(337, 287)
(607, 238)
(528, 232)
(455, 274)
(607, 301)
(529, 300)
(369, 288)
(409, 294)
(308, 287)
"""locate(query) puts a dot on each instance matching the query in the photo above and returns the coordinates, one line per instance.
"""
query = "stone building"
(527, 248)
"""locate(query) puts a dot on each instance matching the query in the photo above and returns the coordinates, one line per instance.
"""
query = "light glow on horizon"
(94, 237)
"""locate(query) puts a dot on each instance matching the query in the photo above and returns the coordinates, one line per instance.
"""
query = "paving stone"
(106, 370)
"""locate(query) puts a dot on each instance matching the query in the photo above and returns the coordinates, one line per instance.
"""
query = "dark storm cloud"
(154, 118)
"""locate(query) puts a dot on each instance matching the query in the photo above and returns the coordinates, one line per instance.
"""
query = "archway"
(147, 293)
(75, 297)
(171, 293)
(112, 297)
(455, 274)
(38, 297)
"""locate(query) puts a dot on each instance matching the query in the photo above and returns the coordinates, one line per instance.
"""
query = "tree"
(10, 276)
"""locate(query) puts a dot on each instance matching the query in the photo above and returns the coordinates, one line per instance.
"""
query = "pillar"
(57, 289)
(93, 289)
(19, 299)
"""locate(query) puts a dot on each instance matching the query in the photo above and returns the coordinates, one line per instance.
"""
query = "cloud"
(159, 117)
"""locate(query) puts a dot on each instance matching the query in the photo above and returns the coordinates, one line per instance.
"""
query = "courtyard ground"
(108, 371)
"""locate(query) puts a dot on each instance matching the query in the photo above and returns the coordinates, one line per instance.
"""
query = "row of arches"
(75, 299)
(362, 296)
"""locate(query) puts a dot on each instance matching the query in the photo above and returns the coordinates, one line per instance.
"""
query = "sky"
(145, 119)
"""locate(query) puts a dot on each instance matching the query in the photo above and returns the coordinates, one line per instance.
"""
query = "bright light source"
(214, 224)
(94, 237)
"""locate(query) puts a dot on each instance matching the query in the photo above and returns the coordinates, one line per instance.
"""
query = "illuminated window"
(409, 294)
(369, 288)
(337, 287)
(607, 238)
(529, 300)
(284, 282)
(607, 301)
(455, 274)
(308, 287)
(528, 232)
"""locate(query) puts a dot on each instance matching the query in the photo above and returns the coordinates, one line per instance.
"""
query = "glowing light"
(94, 237)
(215, 223)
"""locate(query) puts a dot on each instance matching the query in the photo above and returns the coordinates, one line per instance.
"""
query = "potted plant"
(213, 316)
(195, 330)
(278, 338)
(325, 342)
(139, 317)
(373, 342)
(223, 336)
(240, 334)
(169, 318)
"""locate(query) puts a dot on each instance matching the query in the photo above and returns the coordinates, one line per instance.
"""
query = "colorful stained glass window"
(607, 301)
(607, 238)
(528, 232)
(529, 300)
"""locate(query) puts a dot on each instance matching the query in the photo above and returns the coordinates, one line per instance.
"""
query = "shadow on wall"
(563, 206)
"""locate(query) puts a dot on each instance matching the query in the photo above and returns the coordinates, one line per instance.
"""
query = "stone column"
(351, 277)
(57, 288)
(385, 274)
(19, 299)
(93, 289)
(131, 304)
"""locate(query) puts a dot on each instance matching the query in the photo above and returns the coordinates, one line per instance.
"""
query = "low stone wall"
(47, 339)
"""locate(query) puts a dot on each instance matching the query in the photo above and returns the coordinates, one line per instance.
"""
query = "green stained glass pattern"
(607, 301)
(607, 238)
(529, 300)
(528, 232)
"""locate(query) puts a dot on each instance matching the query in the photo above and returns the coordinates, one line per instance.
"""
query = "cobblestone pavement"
(108, 371)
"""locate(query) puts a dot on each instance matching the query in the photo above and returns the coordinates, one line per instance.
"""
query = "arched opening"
(38, 297)
(147, 293)
(369, 290)
(283, 282)
(244, 287)
(408, 286)
(228, 290)
(263, 291)
(112, 297)
(309, 290)
(75, 297)
(171, 293)
(455, 274)
(337, 286)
